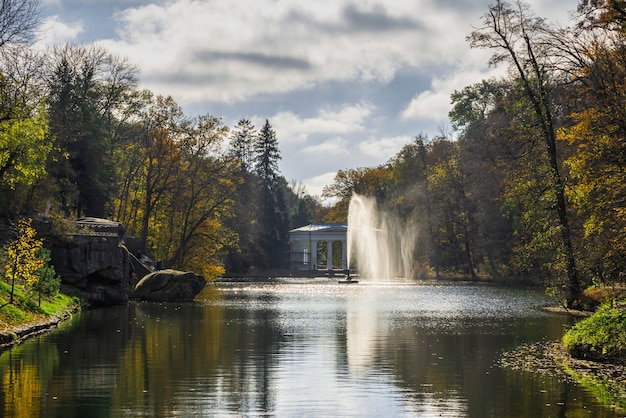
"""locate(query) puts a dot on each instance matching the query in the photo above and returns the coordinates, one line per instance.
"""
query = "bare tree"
(22, 86)
(19, 19)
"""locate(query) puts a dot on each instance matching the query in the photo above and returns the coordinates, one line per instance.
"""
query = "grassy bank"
(25, 312)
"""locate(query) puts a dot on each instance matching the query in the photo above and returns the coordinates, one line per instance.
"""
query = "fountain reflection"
(287, 349)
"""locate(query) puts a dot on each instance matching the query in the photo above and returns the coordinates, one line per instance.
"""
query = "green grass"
(600, 336)
(25, 310)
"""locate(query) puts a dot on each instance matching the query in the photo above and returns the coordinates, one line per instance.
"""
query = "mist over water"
(379, 245)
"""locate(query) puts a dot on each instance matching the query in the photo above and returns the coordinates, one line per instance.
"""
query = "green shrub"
(602, 336)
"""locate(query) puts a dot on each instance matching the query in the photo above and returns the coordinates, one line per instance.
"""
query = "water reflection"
(296, 350)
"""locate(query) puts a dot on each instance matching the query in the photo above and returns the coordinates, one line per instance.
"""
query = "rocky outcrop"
(96, 265)
(93, 257)
(169, 286)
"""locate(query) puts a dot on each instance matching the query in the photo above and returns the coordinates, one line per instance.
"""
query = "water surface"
(299, 348)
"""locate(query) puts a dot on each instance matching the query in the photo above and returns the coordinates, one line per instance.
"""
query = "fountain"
(380, 246)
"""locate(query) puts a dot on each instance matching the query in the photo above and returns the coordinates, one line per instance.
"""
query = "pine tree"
(266, 155)
(242, 140)
(273, 217)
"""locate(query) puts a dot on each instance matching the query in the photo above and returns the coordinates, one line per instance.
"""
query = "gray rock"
(96, 265)
(92, 257)
(169, 286)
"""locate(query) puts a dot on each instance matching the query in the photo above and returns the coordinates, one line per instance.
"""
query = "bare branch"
(19, 20)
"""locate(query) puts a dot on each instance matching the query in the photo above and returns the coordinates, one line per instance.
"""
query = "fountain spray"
(380, 247)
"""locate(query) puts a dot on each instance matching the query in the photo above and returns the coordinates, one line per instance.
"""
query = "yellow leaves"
(22, 261)
(24, 147)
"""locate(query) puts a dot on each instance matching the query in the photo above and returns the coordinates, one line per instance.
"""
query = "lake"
(299, 348)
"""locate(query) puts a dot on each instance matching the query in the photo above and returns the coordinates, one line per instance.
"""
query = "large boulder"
(169, 286)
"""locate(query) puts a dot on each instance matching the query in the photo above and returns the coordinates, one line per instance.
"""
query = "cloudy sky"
(345, 83)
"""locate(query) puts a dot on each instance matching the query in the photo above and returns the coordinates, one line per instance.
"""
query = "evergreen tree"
(266, 156)
(81, 166)
(92, 97)
(242, 140)
(239, 258)
(48, 282)
(272, 215)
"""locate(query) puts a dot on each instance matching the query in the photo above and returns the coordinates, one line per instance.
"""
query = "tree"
(24, 140)
(92, 95)
(24, 148)
(22, 82)
(177, 188)
(266, 156)
(452, 210)
(241, 254)
(301, 206)
(150, 167)
(272, 216)
(22, 262)
(472, 105)
(19, 19)
(372, 182)
(242, 140)
(598, 131)
(48, 282)
(519, 39)
(410, 198)
(80, 166)
(493, 149)
(603, 13)
(198, 208)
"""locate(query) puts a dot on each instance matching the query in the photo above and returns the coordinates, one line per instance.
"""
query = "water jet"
(380, 246)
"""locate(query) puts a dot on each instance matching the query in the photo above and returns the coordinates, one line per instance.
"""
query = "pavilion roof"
(321, 227)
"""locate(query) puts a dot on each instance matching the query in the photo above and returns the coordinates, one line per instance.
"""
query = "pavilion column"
(344, 255)
(313, 265)
(329, 256)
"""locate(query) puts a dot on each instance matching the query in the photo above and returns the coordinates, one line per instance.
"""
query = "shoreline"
(550, 358)
(21, 333)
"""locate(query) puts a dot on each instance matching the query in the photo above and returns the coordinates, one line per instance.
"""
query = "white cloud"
(330, 120)
(384, 148)
(331, 147)
(435, 103)
(264, 57)
(232, 50)
(53, 32)
(315, 185)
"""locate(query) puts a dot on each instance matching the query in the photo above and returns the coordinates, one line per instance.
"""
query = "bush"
(600, 337)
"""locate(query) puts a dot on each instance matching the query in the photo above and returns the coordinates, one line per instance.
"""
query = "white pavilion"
(303, 246)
